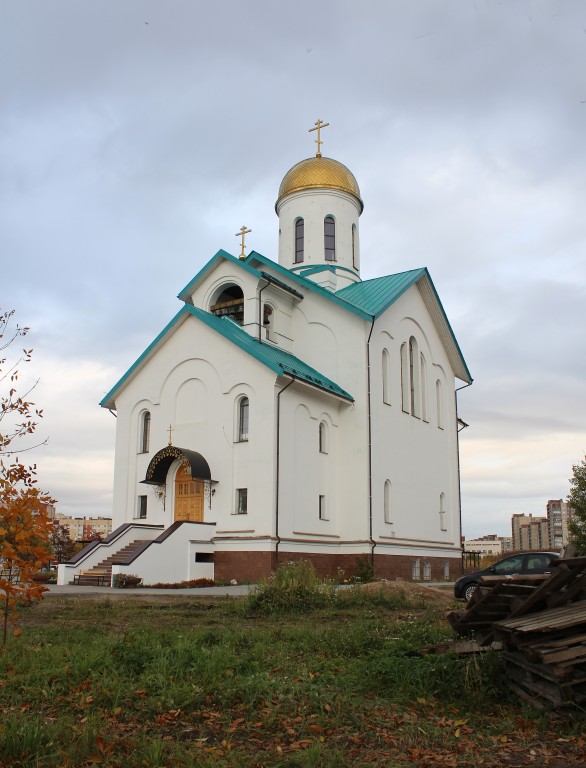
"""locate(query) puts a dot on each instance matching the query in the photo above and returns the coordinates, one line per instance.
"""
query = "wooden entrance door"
(188, 496)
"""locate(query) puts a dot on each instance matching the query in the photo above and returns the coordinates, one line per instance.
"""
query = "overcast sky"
(137, 137)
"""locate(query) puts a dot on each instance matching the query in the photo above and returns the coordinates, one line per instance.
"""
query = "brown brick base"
(250, 567)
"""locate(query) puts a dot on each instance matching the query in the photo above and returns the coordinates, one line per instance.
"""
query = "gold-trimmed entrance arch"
(192, 480)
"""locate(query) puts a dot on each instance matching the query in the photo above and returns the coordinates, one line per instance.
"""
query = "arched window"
(439, 404)
(299, 241)
(415, 570)
(411, 377)
(423, 380)
(323, 437)
(426, 570)
(145, 431)
(268, 318)
(330, 238)
(354, 248)
(386, 382)
(243, 412)
(387, 502)
(405, 398)
(442, 512)
(414, 386)
(446, 570)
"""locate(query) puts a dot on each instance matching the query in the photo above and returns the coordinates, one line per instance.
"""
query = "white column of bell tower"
(313, 206)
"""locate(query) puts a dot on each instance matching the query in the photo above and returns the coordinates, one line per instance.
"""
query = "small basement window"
(204, 557)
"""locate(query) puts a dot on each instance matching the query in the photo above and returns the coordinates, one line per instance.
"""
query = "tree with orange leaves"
(25, 527)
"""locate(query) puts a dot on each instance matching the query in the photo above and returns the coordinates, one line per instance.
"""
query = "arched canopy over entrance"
(156, 473)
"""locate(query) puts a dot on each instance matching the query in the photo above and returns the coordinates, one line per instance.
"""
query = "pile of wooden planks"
(544, 655)
(495, 598)
(541, 624)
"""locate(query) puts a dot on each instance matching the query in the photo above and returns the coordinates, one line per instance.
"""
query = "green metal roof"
(368, 298)
(374, 296)
(185, 293)
(254, 257)
(281, 362)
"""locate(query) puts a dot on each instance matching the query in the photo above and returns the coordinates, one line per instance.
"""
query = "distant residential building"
(85, 528)
(529, 532)
(485, 545)
(559, 513)
(491, 544)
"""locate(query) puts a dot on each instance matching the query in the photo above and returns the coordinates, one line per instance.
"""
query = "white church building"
(290, 410)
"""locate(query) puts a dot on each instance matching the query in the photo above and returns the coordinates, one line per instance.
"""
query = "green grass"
(185, 682)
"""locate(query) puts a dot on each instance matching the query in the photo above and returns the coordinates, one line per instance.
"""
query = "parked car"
(520, 562)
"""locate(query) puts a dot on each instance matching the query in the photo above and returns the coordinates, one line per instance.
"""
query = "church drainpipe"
(458, 458)
(278, 540)
(372, 541)
(260, 325)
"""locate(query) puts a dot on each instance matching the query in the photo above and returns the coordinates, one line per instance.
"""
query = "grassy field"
(182, 681)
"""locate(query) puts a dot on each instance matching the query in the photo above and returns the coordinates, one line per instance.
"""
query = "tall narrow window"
(439, 404)
(412, 369)
(442, 512)
(330, 238)
(299, 241)
(415, 570)
(387, 502)
(426, 570)
(268, 320)
(323, 437)
(243, 412)
(242, 501)
(354, 248)
(411, 378)
(405, 386)
(322, 508)
(386, 382)
(423, 380)
(145, 432)
(141, 507)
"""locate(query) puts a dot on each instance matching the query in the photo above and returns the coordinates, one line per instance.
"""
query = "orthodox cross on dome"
(170, 431)
(242, 233)
(319, 124)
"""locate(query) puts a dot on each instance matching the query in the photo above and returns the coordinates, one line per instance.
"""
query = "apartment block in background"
(530, 532)
(559, 513)
(84, 528)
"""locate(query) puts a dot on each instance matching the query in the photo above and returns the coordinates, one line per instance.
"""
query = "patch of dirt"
(432, 596)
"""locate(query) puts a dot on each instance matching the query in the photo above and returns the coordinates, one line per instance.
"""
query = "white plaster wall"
(173, 559)
(196, 353)
(313, 206)
(65, 573)
(418, 457)
(340, 474)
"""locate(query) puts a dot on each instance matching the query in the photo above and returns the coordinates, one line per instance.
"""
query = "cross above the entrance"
(319, 124)
(170, 431)
(242, 233)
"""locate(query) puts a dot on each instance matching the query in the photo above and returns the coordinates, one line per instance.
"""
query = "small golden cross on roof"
(319, 124)
(170, 431)
(242, 233)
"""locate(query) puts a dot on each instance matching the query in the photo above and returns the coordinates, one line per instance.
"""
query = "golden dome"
(319, 172)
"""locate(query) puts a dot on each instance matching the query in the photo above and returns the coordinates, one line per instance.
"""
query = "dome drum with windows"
(319, 205)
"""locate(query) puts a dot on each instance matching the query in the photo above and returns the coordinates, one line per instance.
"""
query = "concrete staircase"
(101, 574)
